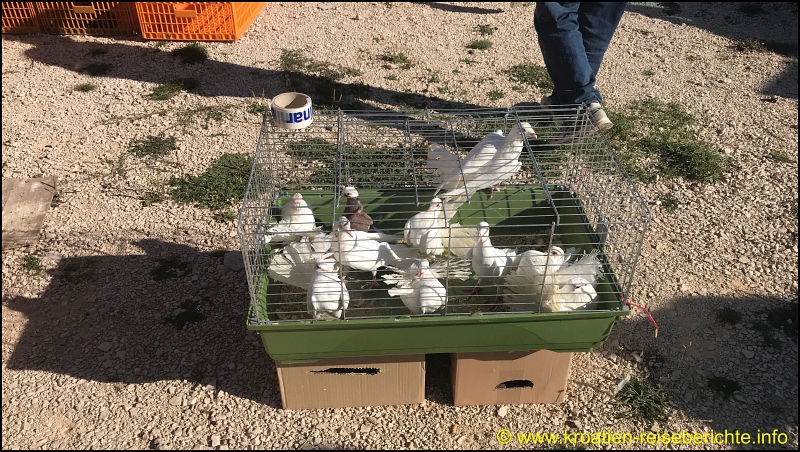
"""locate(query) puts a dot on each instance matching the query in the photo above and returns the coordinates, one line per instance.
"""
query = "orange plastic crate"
(199, 21)
(20, 17)
(87, 18)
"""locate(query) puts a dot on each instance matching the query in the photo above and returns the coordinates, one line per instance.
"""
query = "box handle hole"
(348, 371)
(513, 384)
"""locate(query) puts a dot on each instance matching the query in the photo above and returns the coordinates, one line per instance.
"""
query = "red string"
(652, 320)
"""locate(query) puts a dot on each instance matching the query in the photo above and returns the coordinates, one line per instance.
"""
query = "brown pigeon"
(354, 211)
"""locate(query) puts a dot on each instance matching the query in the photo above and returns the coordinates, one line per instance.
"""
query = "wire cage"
(530, 226)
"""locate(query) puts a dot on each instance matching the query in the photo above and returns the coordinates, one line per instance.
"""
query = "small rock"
(214, 440)
(159, 444)
(326, 6)
(373, 420)
(359, 16)
(105, 346)
(454, 429)
(655, 427)
(726, 80)
(175, 401)
(366, 428)
(461, 440)
(748, 354)
(744, 259)
(502, 411)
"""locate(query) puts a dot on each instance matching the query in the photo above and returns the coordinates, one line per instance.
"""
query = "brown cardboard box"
(504, 378)
(354, 381)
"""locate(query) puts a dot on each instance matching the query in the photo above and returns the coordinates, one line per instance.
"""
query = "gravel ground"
(88, 361)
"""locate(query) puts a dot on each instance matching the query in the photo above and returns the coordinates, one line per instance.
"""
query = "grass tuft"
(725, 386)
(485, 29)
(749, 45)
(643, 398)
(153, 146)
(170, 89)
(480, 44)
(398, 58)
(85, 87)
(669, 203)
(257, 108)
(648, 73)
(495, 94)
(224, 182)
(191, 54)
(729, 316)
(96, 69)
(32, 265)
(656, 138)
(532, 74)
(780, 156)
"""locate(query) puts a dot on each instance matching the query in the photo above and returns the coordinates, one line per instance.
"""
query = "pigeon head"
(556, 252)
(344, 225)
(527, 130)
(578, 282)
(324, 264)
(298, 201)
(483, 229)
(423, 266)
(436, 204)
(350, 192)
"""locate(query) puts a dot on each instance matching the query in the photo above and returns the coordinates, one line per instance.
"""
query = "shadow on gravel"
(773, 23)
(144, 318)
(730, 360)
(215, 78)
(141, 318)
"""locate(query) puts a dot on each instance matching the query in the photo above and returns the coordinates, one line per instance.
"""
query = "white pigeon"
(354, 249)
(295, 264)
(327, 293)
(490, 263)
(424, 230)
(456, 173)
(496, 161)
(577, 294)
(297, 220)
(532, 284)
(505, 162)
(419, 287)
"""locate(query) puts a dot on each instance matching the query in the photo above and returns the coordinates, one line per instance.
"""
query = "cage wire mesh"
(565, 224)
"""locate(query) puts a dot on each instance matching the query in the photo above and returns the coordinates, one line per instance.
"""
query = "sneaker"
(599, 116)
(599, 122)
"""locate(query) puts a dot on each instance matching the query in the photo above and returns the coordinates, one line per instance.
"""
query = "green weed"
(468, 61)
(749, 45)
(648, 73)
(189, 312)
(170, 267)
(398, 58)
(96, 69)
(297, 61)
(257, 109)
(669, 203)
(170, 89)
(85, 87)
(725, 386)
(653, 137)
(191, 54)
(531, 74)
(391, 77)
(485, 29)
(780, 156)
(495, 94)
(729, 316)
(645, 399)
(225, 181)
(152, 146)
(32, 265)
(480, 44)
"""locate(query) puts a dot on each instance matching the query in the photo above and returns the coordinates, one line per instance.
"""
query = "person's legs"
(561, 41)
(574, 37)
(597, 24)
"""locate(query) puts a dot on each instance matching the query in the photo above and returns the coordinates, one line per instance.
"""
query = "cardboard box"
(353, 382)
(506, 378)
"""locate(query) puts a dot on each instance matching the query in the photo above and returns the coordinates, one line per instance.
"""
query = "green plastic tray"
(308, 341)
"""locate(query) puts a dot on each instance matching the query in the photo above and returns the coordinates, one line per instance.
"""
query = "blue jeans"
(573, 37)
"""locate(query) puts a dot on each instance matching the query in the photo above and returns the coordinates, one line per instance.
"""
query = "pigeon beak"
(533, 135)
(349, 233)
